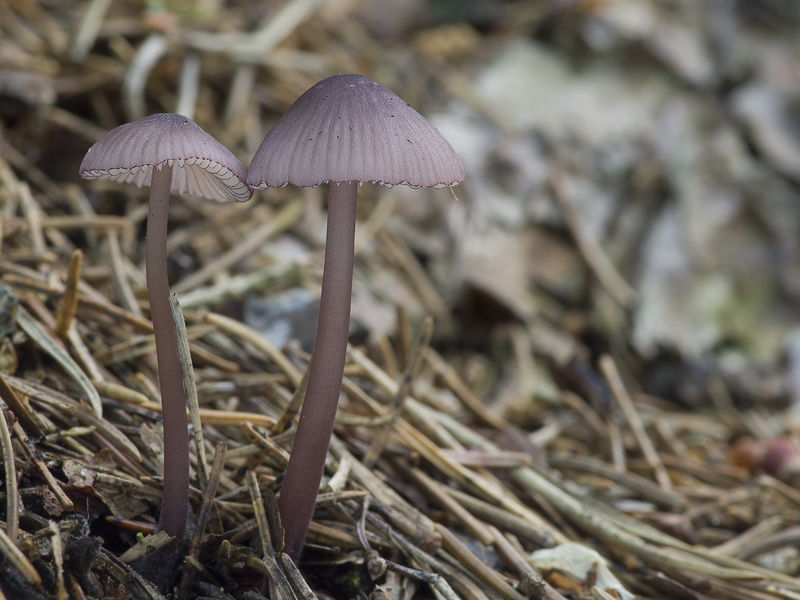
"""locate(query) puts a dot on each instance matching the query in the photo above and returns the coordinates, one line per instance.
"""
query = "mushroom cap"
(202, 166)
(348, 128)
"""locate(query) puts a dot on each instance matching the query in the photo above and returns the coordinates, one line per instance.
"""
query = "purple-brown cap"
(349, 128)
(201, 166)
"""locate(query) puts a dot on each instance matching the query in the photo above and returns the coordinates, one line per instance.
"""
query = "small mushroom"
(346, 130)
(169, 153)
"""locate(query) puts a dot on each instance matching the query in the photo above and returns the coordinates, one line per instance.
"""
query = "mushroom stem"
(306, 464)
(174, 504)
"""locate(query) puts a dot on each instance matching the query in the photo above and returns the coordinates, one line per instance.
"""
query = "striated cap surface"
(202, 166)
(349, 128)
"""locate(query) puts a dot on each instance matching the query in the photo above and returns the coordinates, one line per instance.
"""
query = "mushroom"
(346, 130)
(169, 153)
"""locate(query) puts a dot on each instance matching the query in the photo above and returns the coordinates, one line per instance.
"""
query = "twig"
(188, 86)
(38, 334)
(84, 356)
(505, 459)
(433, 453)
(269, 567)
(478, 530)
(299, 585)
(84, 222)
(388, 355)
(505, 520)
(254, 46)
(147, 546)
(141, 346)
(116, 391)
(591, 251)
(462, 391)
(405, 337)
(601, 594)
(110, 432)
(261, 515)
(266, 446)
(531, 584)
(148, 54)
(239, 93)
(788, 538)
(34, 457)
(19, 409)
(214, 479)
(784, 489)
(375, 222)
(584, 513)
(12, 495)
(410, 375)
(398, 252)
(36, 392)
(403, 516)
(239, 329)
(122, 287)
(623, 398)
(333, 534)
(10, 551)
(73, 338)
(58, 559)
(111, 567)
(449, 575)
(32, 213)
(282, 221)
(92, 304)
(69, 301)
(582, 408)
(87, 32)
(292, 409)
(339, 479)
(617, 448)
(635, 482)
(480, 483)
(210, 416)
(740, 545)
(192, 403)
(240, 285)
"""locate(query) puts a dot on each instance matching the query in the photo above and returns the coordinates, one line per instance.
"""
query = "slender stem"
(175, 500)
(304, 471)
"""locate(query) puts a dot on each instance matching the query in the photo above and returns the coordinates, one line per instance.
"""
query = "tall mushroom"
(169, 153)
(346, 130)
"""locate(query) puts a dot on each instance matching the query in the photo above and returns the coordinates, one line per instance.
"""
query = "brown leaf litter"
(568, 425)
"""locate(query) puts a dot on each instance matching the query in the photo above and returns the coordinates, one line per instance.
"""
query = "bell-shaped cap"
(348, 128)
(201, 166)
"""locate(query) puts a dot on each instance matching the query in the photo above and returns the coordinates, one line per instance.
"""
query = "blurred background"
(632, 178)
